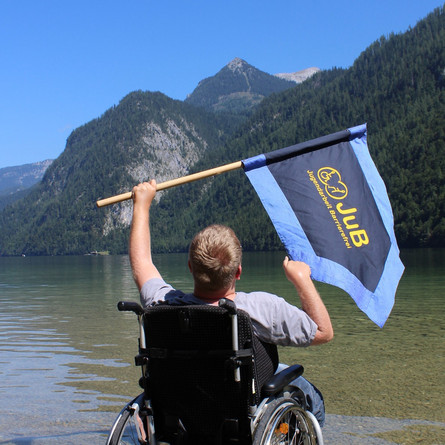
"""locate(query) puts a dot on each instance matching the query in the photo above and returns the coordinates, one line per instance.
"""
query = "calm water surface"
(66, 353)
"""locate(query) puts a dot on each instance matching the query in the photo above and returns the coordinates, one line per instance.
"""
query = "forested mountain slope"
(146, 135)
(396, 86)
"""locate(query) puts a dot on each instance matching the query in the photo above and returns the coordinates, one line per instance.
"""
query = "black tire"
(284, 422)
(124, 430)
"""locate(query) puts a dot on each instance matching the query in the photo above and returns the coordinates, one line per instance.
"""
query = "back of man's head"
(215, 255)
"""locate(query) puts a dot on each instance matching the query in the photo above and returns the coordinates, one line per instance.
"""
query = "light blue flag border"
(378, 305)
(382, 300)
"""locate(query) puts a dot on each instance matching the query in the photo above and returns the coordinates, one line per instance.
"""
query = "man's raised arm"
(140, 244)
(299, 274)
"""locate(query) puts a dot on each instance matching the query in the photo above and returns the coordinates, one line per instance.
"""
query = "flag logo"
(346, 222)
(333, 184)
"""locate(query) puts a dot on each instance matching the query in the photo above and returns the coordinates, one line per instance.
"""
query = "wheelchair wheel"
(128, 428)
(284, 422)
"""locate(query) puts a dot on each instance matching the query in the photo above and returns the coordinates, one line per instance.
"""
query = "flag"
(331, 210)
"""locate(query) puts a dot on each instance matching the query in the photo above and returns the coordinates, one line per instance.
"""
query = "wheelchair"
(208, 380)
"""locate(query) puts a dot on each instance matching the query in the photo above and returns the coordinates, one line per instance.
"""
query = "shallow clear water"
(66, 353)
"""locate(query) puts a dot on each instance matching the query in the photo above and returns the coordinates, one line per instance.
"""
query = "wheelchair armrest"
(279, 381)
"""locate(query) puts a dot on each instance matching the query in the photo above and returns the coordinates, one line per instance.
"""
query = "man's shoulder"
(155, 284)
(275, 320)
(257, 296)
(257, 302)
(266, 306)
(157, 290)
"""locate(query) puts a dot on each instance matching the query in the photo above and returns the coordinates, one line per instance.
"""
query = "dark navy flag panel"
(331, 210)
(336, 209)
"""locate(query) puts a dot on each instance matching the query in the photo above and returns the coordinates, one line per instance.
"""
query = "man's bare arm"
(140, 243)
(299, 274)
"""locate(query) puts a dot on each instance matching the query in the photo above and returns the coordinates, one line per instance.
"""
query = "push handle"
(130, 306)
(228, 305)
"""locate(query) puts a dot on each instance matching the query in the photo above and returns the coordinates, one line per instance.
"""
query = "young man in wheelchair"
(215, 263)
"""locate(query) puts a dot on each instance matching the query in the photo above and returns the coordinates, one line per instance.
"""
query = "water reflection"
(61, 344)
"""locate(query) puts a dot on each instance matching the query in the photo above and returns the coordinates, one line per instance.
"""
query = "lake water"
(66, 353)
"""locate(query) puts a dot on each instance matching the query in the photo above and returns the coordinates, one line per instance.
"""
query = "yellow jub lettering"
(358, 237)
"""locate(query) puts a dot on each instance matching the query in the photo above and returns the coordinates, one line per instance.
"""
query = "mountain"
(236, 88)
(397, 86)
(147, 135)
(16, 181)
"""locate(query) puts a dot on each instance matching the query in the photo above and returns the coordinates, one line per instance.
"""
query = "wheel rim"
(129, 433)
(289, 426)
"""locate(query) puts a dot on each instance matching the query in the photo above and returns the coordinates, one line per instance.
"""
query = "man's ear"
(190, 266)
(238, 273)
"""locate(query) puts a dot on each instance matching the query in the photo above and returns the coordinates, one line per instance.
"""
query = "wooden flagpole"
(174, 182)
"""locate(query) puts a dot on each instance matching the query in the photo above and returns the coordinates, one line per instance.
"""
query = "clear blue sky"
(65, 62)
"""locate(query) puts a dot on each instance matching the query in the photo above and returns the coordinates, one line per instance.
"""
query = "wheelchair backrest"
(191, 370)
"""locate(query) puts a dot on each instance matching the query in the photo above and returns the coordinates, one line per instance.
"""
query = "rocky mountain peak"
(236, 88)
(298, 76)
(237, 65)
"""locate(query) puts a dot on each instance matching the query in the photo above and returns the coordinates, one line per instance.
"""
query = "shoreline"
(93, 427)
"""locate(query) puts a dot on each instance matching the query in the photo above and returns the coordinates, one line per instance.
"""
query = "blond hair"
(215, 255)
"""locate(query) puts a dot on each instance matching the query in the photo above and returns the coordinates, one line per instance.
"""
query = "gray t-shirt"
(274, 320)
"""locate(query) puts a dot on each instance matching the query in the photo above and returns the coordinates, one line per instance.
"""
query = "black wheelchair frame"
(275, 413)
